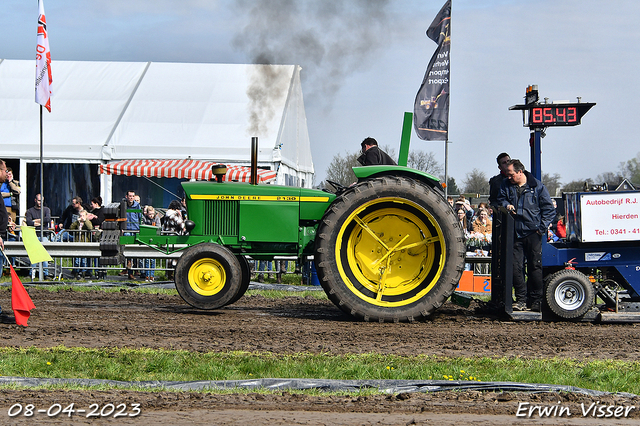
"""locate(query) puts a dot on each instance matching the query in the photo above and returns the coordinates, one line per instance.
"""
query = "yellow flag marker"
(32, 244)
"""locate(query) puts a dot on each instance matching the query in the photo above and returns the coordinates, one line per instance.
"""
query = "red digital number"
(572, 115)
(536, 115)
(548, 115)
(561, 114)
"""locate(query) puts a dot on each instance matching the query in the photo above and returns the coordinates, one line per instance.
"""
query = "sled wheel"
(246, 278)
(389, 249)
(569, 294)
(208, 276)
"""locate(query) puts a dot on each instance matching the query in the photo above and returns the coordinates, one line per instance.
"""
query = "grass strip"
(172, 365)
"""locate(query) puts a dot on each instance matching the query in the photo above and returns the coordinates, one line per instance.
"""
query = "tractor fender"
(369, 172)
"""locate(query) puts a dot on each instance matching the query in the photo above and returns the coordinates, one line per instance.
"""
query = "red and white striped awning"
(182, 169)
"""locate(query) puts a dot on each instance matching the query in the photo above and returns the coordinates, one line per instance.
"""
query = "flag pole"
(40, 266)
(446, 168)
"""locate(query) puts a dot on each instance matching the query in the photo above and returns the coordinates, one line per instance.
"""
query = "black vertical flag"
(431, 108)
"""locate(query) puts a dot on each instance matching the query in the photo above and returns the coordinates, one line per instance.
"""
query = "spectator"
(561, 227)
(462, 218)
(450, 200)
(10, 194)
(463, 203)
(372, 155)
(133, 224)
(150, 218)
(527, 199)
(37, 216)
(183, 208)
(6, 196)
(4, 215)
(82, 228)
(173, 219)
(70, 214)
(495, 182)
(263, 266)
(482, 224)
(96, 216)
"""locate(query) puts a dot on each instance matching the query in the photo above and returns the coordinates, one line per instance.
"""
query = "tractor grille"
(221, 218)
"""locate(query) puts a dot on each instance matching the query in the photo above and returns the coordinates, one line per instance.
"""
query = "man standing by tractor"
(527, 199)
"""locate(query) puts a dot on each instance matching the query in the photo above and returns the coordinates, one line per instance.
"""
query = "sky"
(364, 60)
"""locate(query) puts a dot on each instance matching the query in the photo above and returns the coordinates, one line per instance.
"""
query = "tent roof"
(104, 111)
(183, 169)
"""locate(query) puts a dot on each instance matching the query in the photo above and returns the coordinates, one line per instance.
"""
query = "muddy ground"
(296, 324)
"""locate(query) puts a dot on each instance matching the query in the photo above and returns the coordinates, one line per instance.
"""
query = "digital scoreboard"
(537, 114)
(557, 114)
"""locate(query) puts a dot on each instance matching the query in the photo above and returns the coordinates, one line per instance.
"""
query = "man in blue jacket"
(527, 199)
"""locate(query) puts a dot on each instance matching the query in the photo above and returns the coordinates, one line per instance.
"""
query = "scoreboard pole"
(535, 141)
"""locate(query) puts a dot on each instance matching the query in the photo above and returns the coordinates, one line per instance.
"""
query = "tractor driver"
(374, 156)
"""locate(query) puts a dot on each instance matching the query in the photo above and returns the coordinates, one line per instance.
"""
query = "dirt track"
(128, 319)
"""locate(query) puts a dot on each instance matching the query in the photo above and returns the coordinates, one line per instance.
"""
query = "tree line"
(477, 181)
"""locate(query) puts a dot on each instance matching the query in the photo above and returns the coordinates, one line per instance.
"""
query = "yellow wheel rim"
(390, 252)
(207, 277)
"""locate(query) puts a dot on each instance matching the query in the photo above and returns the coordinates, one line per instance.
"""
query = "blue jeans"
(151, 265)
(80, 262)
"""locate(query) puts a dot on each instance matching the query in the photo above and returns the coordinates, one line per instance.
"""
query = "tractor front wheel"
(208, 276)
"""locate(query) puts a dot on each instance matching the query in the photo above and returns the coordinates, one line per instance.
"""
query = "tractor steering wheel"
(338, 187)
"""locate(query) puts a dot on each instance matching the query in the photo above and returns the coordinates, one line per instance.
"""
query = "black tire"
(246, 278)
(569, 294)
(208, 276)
(409, 283)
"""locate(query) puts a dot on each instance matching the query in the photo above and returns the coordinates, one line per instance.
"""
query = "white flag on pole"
(43, 61)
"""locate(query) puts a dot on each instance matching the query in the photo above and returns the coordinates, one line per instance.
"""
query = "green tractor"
(388, 248)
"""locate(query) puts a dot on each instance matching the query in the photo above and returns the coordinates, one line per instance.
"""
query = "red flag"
(20, 301)
(43, 62)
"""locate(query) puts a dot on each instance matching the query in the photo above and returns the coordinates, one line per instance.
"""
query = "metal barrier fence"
(76, 252)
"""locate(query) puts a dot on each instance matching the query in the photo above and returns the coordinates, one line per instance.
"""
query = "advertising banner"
(431, 107)
(612, 216)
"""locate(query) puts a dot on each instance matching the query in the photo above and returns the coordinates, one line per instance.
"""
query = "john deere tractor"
(388, 248)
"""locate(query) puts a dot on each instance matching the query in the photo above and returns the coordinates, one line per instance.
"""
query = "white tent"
(109, 111)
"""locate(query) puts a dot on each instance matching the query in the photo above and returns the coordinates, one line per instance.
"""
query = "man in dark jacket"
(372, 155)
(495, 182)
(527, 199)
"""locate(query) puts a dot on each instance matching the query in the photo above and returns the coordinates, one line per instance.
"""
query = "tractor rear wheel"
(389, 249)
(208, 276)
(569, 294)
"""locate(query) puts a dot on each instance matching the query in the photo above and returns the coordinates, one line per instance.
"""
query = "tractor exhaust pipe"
(254, 161)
